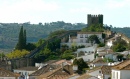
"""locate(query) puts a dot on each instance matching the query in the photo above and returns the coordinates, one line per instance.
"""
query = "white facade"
(120, 74)
(83, 36)
(25, 73)
(89, 57)
(7, 77)
(82, 39)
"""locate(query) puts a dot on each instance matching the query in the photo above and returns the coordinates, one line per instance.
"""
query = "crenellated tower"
(95, 19)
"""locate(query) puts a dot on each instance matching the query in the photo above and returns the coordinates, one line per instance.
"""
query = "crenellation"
(95, 19)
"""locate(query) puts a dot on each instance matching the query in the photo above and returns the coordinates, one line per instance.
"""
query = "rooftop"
(125, 65)
(59, 73)
(30, 68)
(6, 73)
(106, 70)
(99, 60)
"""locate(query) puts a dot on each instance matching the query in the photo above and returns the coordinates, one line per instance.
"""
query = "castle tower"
(95, 19)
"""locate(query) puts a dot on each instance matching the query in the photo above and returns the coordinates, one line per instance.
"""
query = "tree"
(22, 40)
(67, 55)
(118, 47)
(17, 54)
(94, 38)
(120, 57)
(80, 63)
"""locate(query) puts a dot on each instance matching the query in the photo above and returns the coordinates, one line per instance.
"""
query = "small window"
(81, 35)
(99, 71)
(86, 36)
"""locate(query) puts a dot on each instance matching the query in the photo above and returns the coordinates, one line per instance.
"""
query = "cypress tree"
(22, 40)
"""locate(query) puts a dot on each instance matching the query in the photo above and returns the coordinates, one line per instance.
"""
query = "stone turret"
(95, 19)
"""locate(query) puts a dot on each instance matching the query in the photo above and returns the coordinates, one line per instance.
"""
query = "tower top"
(95, 19)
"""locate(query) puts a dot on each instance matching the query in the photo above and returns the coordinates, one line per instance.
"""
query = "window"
(99, 71)
(81, 35)
(86, 36)
(117, 75)
(113, 74)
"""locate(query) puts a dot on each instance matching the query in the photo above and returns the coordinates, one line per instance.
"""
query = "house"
(87, 53)
(106, 53)
(50, 66)
(82, 39)
(102, 72)
(25, 71)
(90, 57)
(63, 72)
(95, 72)
(121, 70)
(98, 62)
(5, 74)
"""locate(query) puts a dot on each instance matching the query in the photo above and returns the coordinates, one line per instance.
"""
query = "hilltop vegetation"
(9, 31)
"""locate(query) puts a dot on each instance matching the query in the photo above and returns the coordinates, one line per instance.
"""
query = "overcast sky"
(116, 12)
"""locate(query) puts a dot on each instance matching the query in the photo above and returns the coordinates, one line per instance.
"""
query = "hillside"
(9, 32)
(125, 30)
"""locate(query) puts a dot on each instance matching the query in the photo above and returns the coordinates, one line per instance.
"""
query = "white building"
(102, 72)
(121, 71)
(25, 71)
(82, 39)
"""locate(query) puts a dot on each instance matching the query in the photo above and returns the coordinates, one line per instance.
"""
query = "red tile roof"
(6, 73)
(125, 65)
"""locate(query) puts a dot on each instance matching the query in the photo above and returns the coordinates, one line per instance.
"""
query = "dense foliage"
(9, 31)
(94, 28)
(80, 63)
(101, 45)
(56, 33)
(17, 54)
(93, 39)
(68, 54)
(119, 46)
(51, 51)
(2, 55)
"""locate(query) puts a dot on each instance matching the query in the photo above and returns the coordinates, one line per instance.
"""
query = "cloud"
(86, 10)
(21, 10)
(115, 4)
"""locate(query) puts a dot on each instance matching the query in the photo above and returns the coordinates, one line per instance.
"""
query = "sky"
(115, 12)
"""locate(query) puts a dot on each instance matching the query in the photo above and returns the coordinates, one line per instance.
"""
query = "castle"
(95, 19)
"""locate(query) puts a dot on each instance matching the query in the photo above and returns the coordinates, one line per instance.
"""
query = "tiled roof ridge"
(41, 70)
(122, 65)
(52, 72)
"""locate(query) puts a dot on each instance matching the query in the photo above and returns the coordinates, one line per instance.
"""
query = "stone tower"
(95, 19)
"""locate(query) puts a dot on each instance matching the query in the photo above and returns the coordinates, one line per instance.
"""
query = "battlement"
(95, 19)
